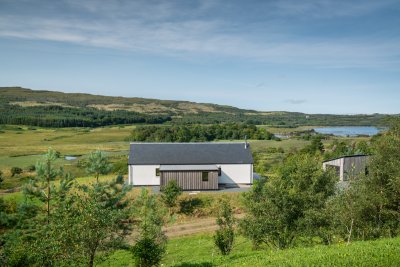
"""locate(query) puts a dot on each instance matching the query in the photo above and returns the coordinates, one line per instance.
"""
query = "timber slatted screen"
(190, 180)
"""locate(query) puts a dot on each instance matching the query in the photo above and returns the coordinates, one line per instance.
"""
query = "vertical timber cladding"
(191, 180)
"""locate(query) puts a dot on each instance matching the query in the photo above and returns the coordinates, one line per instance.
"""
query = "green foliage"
(196, 133)
(224, 236)
(120, 167)
(31, 168)
(15, 170)
(84, 220)
(98, 164)
(367, 206)
(316, 145)
(170, 193)
(276, 207)
(1, 178)
(42, 187)
(151, 243)
(58, 116)
(342, 148)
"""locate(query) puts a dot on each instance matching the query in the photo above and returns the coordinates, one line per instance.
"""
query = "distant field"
(199, 251)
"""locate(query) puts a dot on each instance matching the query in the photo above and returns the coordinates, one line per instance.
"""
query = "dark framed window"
(219, 171)
(204, 176)
(157, 171)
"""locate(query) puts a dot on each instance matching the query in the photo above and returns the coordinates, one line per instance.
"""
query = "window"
(157, 171)
(219, 171)
(204, 176)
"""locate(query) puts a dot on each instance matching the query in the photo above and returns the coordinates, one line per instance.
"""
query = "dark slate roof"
(189, 153)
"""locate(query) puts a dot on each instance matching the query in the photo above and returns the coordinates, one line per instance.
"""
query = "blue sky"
(321, 56)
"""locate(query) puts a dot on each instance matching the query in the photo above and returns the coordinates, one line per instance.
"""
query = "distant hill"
(57, 109)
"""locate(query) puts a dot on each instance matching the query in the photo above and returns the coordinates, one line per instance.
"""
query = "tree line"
(199, 133)
(58, 116)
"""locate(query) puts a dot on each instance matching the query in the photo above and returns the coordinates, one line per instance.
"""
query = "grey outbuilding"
(348, 166)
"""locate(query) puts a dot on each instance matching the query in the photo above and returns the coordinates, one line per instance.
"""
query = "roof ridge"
(183, 143)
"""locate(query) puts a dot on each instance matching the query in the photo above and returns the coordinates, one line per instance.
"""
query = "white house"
(195, 166)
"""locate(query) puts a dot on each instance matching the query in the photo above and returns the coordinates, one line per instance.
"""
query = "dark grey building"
(347, 166)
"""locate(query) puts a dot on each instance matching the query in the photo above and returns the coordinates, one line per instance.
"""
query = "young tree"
(41, 186)
(1, 178)
(151, 243)
(89, 219)
(170, 194)
(224, 236)
(276, 208)
(98, 164)
(315, 146)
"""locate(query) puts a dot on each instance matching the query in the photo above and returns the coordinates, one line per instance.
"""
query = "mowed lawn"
(199, 251)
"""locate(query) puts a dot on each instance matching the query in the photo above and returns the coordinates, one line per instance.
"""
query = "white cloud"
(169, 29)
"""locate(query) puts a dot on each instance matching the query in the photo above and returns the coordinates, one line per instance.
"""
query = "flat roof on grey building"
(189, 153)
(343, 157)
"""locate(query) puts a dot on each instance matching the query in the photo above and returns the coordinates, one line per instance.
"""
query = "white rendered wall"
(143, 175)
(230, 174)
(236, 174)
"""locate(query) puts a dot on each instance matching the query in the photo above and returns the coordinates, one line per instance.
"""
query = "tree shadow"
(202, 264)
(188, 206)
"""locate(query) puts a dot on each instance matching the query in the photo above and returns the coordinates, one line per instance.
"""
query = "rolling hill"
(57, 109)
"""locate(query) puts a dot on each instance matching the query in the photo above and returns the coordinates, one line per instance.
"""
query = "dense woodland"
(56, 109)
(199, 133)
(58, 116)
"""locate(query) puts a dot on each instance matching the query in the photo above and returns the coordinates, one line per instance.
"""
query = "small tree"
(170, 194)
(1, 178)
(150, 245)
(224, 236)
(15, 171)
(98, 164)
(41, 186)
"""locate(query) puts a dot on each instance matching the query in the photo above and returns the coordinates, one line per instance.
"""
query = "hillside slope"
(57, 109)
(199, 250)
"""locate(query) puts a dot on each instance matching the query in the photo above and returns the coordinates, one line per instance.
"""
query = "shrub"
(151, 242)
(15, 170)
(31, 168)
(170, 194)
(224, 236)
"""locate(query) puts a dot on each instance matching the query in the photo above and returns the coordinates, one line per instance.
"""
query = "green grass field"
(23, 146)
(199, 251)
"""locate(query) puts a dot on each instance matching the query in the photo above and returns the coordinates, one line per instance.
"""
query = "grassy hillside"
(199, 251)
(57, 109)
